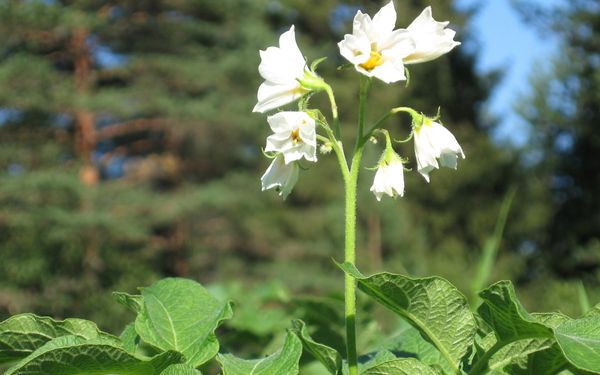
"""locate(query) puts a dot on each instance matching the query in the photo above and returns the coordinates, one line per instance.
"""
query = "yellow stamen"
(296, 136)
(374, 61)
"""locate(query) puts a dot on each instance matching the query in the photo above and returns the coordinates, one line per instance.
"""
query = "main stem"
(350, 184)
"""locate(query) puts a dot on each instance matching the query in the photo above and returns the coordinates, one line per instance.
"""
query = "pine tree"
(93, 91)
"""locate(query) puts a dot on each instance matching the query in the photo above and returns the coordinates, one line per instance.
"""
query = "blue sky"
(516, 49)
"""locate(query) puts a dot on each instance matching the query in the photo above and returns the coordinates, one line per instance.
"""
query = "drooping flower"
(375, 48)
(284, 69)
(434, 142)
(294, 136)
(280, 176)
(431, 38)
(389, 178)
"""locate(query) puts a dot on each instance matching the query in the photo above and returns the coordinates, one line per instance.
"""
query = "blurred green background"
(128, 152)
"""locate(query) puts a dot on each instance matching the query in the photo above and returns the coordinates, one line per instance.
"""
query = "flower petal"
(281, 122)
(287, 43)
(399, 42)
(389, 179)
(276, 143)
(362, 24)
(390, 71)
(295, 136)
(280, 176)
(299, 151)
(284, 63)
(384, 20)
(425, 153)
(433, 141)
(431, 37)
(272, 95)
(356, 49)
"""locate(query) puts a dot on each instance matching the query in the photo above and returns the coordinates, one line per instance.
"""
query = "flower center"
(296, 136)
(374, 61)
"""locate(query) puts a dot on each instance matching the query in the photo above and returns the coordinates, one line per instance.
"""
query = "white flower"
(295, 136)
(375, 48)
(282, 67)
(280, 176)
(431, 38)
(433, 141)
(389, 178)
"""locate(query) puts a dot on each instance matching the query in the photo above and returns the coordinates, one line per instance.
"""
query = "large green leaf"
(180, 315)
(400, 366)
(510, 323)
(73, 355)
(283, 362)
(432, 305)
(580, 342)
(20, 335)
(180, 369)
(509, 320)
(329, 357)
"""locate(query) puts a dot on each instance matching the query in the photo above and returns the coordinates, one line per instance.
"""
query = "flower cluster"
(375, 49)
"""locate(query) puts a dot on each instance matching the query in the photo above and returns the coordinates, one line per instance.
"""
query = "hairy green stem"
(337, 148)
(350, 185)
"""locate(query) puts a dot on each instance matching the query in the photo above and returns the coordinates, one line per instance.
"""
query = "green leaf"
(545, 362)
(73, 355)
(329, 357)
(20, 335)
(180, 369)
(594, 311)
(401, 366)
(373, 359)
(580, 342)
(133, 302)
(283, 362)
(260, 311)
(432, 305)
(509, 320)
(408, 342)
(326, 316)
(130, 339)
(180, 315)
(523, 351)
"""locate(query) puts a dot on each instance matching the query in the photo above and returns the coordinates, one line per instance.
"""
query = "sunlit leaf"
(180, 315)
(329, 357)
(580, 342)
(400, 366)
(283, 362)
(22, 334)
(73, 355)
(432, 305)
